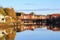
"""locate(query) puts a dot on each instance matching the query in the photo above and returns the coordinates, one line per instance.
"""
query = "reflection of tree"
(53, 21)
(47, 21)
(10, 36)
(58, 22)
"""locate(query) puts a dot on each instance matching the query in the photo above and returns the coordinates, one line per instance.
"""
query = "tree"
(32, 13)
(2, 11)
(11, 12)
(22, 13)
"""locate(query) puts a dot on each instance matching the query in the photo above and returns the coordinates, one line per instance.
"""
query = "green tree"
(32, 13)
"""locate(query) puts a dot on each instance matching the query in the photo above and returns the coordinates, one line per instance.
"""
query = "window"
(2, 18)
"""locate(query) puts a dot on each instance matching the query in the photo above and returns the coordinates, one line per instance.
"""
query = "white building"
(2, 18)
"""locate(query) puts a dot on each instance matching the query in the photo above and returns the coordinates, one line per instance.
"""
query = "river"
(38, 34)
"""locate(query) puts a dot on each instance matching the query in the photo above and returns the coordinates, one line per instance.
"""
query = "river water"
(38, 34)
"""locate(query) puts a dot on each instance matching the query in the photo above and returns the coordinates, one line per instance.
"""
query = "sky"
(20, 5)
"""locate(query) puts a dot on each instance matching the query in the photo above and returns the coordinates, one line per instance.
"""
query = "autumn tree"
(2, 11)
(11, 12)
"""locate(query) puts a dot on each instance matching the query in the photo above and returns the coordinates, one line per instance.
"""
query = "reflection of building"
(30, 21)
(53, 22)
(53, 28)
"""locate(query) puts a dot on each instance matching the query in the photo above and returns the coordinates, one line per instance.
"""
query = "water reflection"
(38, 34)
(40, 29)
(33, 29)
(7, 34)
(46, 32)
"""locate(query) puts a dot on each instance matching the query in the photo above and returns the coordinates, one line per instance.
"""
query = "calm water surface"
(38, 34)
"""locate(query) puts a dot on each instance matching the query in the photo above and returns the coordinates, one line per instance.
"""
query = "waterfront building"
(2, 18)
